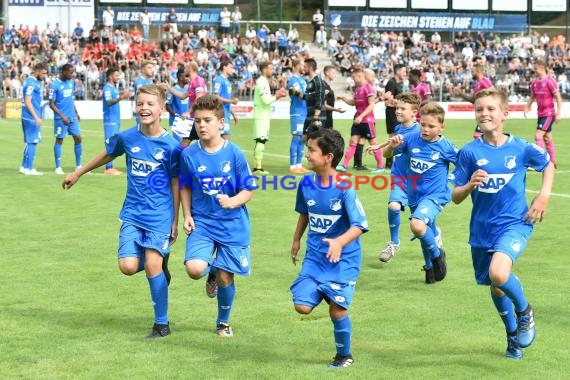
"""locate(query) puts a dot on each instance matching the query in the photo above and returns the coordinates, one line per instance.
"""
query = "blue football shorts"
(297, 125)
(32, 133)
(232, 259)
(512, 243)
(309, 292)
(426, 211)
(60, 130)
(134, 240)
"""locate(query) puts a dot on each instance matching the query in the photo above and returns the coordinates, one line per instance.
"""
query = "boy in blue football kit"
(112, 112)
(216, 185)
(150, 212)
(32, 118)
(335, 218)
(492, 169)
(407, 105)
(66, 118)
(298, 111)
(223, 88)
(175, 106)
(427, 190)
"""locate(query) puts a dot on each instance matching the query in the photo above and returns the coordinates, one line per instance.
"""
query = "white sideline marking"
(553, 194)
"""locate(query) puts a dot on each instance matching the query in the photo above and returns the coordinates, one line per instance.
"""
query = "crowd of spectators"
(444, 63)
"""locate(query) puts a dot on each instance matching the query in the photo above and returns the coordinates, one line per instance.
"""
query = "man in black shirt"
(329, 75)
(393, 88)
(315, 98)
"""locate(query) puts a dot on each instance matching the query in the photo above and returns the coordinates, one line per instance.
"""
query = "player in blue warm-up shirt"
(426, 187)
(298, 113)
(223, 89)
(176, 106)
(150, 211)
(492, 169)
(66, 118)
(217, 183)
(32, 117)
(335, 219)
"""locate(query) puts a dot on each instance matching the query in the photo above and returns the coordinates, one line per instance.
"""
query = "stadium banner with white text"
(186, 16)
(43, 12)
(451, 22)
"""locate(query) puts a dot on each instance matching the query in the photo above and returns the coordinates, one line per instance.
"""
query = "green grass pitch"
(67, 312)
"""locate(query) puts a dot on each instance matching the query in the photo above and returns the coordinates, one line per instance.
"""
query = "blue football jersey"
(33, 88)
(500, 202)
(209, 174)
(402, 160)
(428, 168)
(298, 106)
(139, 82)
(223, 87)
(151, 163)
(331, 212)
(179, 106)
(111, 114)
(63, 94)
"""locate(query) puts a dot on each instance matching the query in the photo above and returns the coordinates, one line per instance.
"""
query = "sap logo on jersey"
(420, 166)
(142, 168)
(322, 223)
(495, 182)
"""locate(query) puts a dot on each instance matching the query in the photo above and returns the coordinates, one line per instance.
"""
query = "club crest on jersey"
(135, 149)
(311, 202)
(482, 162)
(416, 150)
(435, 156)
(336, 204)
(142, 168)
(158, 154)
(510, 162)
(201, 168)
(322, 223)
(225, 166)
(420, 166)
(495, 182)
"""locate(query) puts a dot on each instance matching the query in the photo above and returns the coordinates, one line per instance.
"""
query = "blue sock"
(31, 156)
(300, 150)
(57, 148)
(109, 165)
(24, 156)
(78, 153)
(429, 247)
(159, 294)
(513, 289)
(225, 301)
(504, 306)
(293, 151)
(394, 225)
(342, 332)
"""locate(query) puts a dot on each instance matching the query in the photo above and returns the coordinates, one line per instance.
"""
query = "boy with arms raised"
(335, 218)
(492, 169)
(150, 210)
(217, 184)
(429, 156)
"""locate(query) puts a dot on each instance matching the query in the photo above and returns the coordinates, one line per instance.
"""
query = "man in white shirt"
(225, 20)
(318, 20)
(236, 20)
(108, 17)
